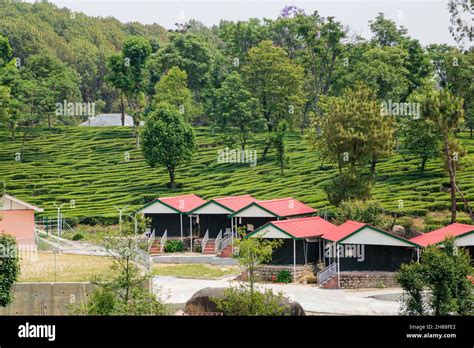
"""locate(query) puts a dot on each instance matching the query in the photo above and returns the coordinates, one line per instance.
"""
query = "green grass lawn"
(90, 166)
(46, 267)
(201, 271)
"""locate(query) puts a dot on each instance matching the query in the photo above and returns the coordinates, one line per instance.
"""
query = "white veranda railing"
(163, 240)
(327, 273)
(204, 241)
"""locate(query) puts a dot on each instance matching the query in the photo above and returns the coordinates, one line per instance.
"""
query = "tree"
(234, 115)
(118, 78)
(352, 131)
(168, 140)
(9, 267)
(125, 293)
(173, 89)
(321, 55)
(190, 53)
(135, 52)
(444, 272)
(446, 112)
(419, 140)
(276, 83)
(279, 143)
(454, 71)
(462, 12)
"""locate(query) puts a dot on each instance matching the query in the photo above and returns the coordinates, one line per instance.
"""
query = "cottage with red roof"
(257, 214)
(170, 215)
(213, 215)
(462, 233)
(357, 246)
(301, 239)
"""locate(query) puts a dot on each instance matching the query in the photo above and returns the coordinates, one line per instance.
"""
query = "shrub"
(243, 301)
(284, 276)
(77, 236)
(174, 246)
(348, 186)
(369, 212)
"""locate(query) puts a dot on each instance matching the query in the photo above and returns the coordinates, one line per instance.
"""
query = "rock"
(201, 302)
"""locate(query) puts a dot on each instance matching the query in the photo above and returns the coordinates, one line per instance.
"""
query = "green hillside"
(89, 166)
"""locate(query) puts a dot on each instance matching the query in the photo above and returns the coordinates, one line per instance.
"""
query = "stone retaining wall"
(268, 272)
(361, 280)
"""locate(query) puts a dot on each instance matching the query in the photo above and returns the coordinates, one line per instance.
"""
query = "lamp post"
(136, 223)
(120, 215)
(58, 207)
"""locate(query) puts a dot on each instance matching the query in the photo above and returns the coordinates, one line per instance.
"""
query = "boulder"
(201, 302)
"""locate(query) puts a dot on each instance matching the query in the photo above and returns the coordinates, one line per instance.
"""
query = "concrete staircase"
(210, 247)
(155, 248)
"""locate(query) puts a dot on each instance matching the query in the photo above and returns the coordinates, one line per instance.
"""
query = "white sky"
(426, 20)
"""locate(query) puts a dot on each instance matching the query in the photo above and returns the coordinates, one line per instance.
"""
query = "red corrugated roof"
(308, 227)
(235, 203)
(183, 203)
(286, 207)
(438, 236)
(343, 230)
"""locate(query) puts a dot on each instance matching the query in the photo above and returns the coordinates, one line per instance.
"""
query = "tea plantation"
(97, 168)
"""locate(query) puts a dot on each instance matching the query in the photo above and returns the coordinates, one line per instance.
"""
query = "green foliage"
(77, 236)
(126, 292)
(234, 115)
(174, 246)
(410, 278)
(9, 267)
(348, 186)
(276, 83)
(444, 272)
(243, 301)
(419, 141)
(284, 277)
(173, 89)
(168, 140)
(369, 212)
(352, 131)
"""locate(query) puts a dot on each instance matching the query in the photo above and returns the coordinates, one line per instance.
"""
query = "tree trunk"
(452, 180)
(122, 107)
(466, 203)
(172, 183)
(423, 164)
(372, 165)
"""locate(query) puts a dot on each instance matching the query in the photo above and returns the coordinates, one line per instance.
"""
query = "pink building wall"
(20, 224)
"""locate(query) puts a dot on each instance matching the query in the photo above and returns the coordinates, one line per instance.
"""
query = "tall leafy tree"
(352, 130)
(136, 50)
(173, 89)
(168, 140)
(276, 82)
(234, 115)
(445, 111)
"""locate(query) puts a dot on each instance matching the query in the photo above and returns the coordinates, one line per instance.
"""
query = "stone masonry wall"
(361, 280)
